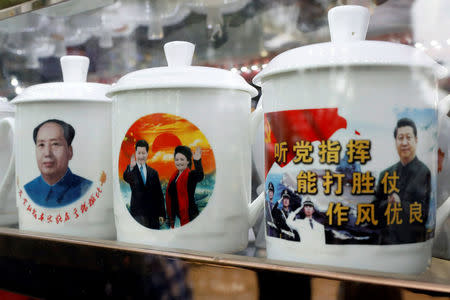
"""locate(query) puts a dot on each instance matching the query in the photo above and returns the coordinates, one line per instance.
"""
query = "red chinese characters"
(63, 216)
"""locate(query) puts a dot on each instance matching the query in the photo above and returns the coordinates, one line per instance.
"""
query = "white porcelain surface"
(390, 259)
(180, 74)
(349, 24)
(258, 162)
(74, 69)
(90, 158)
(258, 147)
(217, 102)
(223, 224)
(8, 210)
(441, 246)
(356, 92)
(369, 83)
(85, 107)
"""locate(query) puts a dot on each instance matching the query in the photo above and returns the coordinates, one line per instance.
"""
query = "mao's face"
(52, 152)
(406, 143)
(309, 210)
(270, 194)
(181, 162)
(141, 155)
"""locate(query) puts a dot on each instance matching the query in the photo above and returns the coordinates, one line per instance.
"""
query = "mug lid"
(5, 106)
(180, 74)
(348, 28)
(73, 88)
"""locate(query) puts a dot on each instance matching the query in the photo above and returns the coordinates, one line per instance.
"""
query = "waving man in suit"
(147, 200)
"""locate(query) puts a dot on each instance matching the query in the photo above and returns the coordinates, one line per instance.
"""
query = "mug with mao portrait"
(63, 166)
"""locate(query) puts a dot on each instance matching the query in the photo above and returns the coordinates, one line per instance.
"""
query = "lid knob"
(74, 68)
(348, 23)
(179, 53)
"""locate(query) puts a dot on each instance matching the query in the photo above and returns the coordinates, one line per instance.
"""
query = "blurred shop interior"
(238, 35)
(120, 36)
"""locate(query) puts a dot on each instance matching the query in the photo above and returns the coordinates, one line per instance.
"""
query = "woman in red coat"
(180, 201)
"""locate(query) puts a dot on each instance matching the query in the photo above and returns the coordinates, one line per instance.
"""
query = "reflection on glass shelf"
(238, 35)
(53, 8)
(56, 250)
(9, 9)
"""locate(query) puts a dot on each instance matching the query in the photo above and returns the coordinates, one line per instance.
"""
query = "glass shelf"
(85, 254)
(10, 9)
(54, 8)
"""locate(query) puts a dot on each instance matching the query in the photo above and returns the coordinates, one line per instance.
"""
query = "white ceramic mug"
(63, 166)
(165, 119)
(350, 133)
(8, 210)
(441, 246)
(258, 160)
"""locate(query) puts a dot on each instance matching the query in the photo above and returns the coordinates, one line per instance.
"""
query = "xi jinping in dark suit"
(147, 200)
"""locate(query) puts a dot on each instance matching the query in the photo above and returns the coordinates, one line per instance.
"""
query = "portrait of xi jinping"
(56, 186)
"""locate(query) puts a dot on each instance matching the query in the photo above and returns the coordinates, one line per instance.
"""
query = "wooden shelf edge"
(427, 281)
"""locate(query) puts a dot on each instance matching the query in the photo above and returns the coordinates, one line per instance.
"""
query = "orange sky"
(163, 132)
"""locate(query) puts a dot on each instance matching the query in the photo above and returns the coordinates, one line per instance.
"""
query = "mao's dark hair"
(69, 131)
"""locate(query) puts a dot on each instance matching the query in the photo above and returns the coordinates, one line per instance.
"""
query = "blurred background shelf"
(120, 36)
(38, 260)
(55, 8)
(12, 8)
(123, 36)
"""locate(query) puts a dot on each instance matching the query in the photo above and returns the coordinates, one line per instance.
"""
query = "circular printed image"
(166, 171)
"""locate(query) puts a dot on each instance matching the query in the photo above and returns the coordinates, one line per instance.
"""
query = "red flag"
(292, 126)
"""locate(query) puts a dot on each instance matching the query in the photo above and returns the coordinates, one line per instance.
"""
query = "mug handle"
(441, 214)
(256, 207)
(256, 117)
(444, 210)
(7, 124)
